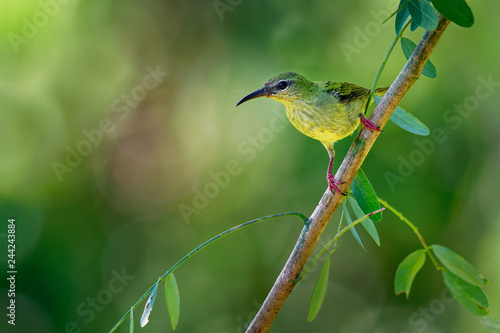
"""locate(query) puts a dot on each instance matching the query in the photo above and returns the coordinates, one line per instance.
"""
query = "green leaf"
(353, 229)
(413, 25)
(131, 330)
(406, 121)
(409, 122)
(469, 296)
(367, 223)
(408, 46)
(456, 11)
(173, 300)
(149, 305)
(459, 266)
(319, 291)
(407, 270)
(423, 14)
(365, 195)
(493, 324)
(402, 15)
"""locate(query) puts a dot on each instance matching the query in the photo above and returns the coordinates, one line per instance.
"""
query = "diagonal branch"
(350, 166)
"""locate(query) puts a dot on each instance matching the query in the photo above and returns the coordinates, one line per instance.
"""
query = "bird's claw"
(368, 124)
(332, 184)
(331, 179)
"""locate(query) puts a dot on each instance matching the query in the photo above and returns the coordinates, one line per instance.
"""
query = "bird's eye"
(282, 85)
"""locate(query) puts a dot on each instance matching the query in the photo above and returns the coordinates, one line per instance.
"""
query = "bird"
(327, 111)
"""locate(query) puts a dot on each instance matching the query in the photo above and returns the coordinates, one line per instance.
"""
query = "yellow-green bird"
(327, 111)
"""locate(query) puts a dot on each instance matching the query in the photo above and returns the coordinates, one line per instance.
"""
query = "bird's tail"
(380, 91)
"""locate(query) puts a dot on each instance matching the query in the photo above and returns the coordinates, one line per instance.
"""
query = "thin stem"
(382, 66)
(338, 230)
(334, 239)
(397, 11)
(202, 246)
(427, 249)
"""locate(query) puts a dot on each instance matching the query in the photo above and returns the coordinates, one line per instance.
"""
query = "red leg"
(368, 124)
(332, 182)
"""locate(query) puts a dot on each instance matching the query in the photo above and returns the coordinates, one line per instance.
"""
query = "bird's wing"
(345, 92)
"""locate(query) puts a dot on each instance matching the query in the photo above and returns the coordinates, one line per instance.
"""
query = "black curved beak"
(259, 93)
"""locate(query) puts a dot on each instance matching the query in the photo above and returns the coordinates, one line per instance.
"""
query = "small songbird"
(327, 111)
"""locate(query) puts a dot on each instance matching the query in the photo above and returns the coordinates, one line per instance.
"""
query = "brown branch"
(352, 162)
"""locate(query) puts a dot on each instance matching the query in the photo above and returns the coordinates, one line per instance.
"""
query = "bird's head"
(285, 88)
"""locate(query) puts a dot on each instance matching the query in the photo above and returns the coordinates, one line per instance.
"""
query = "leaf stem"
(202, 246)
(397, 11)
(382, 66)
(427, 248)
(334, 239)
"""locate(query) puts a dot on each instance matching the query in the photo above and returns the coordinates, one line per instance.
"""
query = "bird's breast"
(326, 122)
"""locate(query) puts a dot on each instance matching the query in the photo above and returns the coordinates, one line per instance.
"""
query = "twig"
(348, 169)
(415, 230)
(201, 247)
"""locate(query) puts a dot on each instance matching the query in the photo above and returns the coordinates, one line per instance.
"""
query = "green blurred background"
(76, 79)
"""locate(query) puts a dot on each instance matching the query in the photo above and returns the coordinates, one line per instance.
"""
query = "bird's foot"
(368, 124)
(332, 184)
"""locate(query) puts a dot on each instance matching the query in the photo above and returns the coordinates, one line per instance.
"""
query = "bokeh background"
(117, 117)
